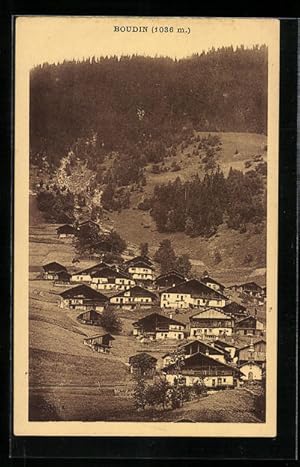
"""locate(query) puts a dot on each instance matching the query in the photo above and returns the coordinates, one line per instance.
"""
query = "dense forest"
(141, 106)
(198, 207)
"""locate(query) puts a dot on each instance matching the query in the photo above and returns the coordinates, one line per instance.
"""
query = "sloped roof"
(54, 267)
(204, 344)
(136, 291)
(247, 318)
(106, 271)
(84, 291)
(208, 279)
(139, 264)
(253, 344)
(196, 289)
(221, 343)
(210, 313)
(100, 335)
(144, 259)
(234, 308)
(155, 320)
(170, 273)
(96, 267)
(199, 360)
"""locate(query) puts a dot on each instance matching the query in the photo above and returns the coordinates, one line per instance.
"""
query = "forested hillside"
(140, 106)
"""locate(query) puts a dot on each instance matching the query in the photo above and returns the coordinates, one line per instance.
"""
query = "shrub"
(110, 321)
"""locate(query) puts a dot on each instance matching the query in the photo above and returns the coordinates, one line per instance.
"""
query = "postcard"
(145, 220)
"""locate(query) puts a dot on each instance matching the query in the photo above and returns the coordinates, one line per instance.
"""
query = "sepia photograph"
(146, 226)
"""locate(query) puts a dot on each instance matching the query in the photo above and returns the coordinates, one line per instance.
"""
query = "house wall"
(249, 368)
(81, 278)
(174, 300)
(141, 273)
(50, 276)
(199, 332)
(101, 283)
(209, 381)
(131, 300)
(159, 335)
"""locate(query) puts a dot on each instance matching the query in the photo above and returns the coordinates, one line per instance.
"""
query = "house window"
(219, 381)
(224, 380)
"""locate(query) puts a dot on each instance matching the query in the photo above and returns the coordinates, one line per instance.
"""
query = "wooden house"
(212, 283)
(90, 317)
(158, 327)
(51, 270)
(210, 324)
(66, 231)
(170, 279)
(111, 279)
(83, 297)
(135, 367)
(193, 347)
(99, 343)
(199, 367)
(255, 352)
(141, 269)
(63, 278)
(251, 289)
(235, 309)
(86, 274)
(134, 297)
(191, 294)
(249, 326)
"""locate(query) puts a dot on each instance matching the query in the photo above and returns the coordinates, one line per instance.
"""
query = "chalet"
(193, 347)
(66, 231)
(200, 367)
(156, 326)
(100, 343)
(210, 324)
(251, 289)
(140, 268)
(63, 278)
(191, 294)
(90, 317)
(212, 283)
(83, 297)
(249, 326)
(170, 279)
(255, 352)
(135, 368)
(134, 297)
(235, 309)
(86, 274)
(51, 270)
(110, 279)
(251, 371)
